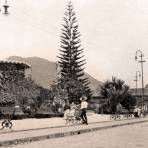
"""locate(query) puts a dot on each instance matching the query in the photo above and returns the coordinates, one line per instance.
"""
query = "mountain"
(44, 73)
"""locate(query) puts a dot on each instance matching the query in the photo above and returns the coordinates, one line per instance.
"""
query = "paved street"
(131, 136)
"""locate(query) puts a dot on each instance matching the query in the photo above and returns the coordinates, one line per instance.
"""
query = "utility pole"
(141, 61)
(136, 79)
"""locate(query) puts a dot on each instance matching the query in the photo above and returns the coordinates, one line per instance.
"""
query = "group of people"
(138, 112)
(81, 108)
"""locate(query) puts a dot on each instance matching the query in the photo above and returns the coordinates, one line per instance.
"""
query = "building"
(138, 95)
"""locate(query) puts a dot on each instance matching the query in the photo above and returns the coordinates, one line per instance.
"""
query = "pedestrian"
(72, 105)
(83, 108)
(136, 112)
(66, 112)
(139, 112)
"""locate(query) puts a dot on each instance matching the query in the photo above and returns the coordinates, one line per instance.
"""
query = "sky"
(112, 31)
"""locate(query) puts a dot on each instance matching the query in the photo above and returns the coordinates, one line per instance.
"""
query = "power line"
(32, 23)
(34, 19)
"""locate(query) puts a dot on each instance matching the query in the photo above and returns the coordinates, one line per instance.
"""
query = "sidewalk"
(16, 137)
(32, 123)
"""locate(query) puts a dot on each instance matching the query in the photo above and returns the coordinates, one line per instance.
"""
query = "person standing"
(83, 108)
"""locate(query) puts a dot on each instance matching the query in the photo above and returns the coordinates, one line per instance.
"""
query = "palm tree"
(115, 92)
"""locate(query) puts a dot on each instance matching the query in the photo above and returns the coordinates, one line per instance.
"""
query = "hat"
(83, 98)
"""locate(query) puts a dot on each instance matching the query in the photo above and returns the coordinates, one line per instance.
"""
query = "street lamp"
(141, 55)
(5, 7)
(136, 79)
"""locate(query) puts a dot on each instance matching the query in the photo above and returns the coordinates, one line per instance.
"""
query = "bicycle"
(6, 124)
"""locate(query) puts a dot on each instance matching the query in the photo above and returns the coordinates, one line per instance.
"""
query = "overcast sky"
(112, 31)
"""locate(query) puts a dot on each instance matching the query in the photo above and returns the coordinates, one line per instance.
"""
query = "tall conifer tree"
(71, 58)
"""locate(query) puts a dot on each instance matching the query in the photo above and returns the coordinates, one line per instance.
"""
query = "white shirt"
(84, 104)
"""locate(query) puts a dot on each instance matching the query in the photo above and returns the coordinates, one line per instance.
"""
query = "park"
(44, 101)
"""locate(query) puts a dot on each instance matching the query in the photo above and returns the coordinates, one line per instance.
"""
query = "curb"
(60, 126)
(63, 134)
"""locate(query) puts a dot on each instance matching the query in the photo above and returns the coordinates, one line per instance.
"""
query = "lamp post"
(5, 8)
(136, 79)
(140, 55)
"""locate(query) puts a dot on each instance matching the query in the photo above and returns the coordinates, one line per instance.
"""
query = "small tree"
(22, 90)
(17, 89)
(116, 91)
(128, 102)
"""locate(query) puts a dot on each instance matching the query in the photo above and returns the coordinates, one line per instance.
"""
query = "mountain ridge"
(43, 72)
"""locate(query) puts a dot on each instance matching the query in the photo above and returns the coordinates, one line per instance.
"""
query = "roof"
(139, 91)
(5, 64)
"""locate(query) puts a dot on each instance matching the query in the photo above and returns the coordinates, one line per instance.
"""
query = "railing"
(126, 116)
(121, 116)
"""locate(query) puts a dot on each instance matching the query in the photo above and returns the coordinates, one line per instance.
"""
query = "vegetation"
(16, 89)
(117, 92)
(71, 59)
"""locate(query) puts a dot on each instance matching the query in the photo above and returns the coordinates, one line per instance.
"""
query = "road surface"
(131, 136)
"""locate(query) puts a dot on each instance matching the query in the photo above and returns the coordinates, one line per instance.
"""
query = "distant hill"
(43, 72)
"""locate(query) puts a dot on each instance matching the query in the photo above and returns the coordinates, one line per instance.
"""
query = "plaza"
(67, 74)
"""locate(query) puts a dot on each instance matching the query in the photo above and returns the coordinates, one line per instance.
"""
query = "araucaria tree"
(71, 58)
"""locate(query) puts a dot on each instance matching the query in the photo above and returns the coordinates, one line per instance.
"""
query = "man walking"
(84, 105)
